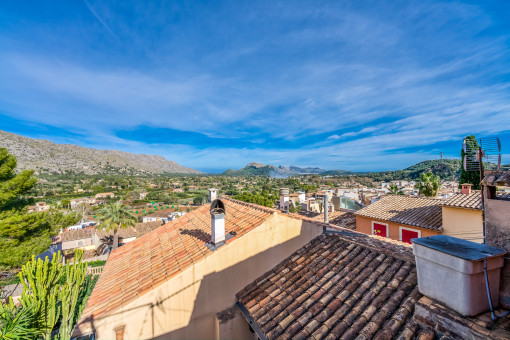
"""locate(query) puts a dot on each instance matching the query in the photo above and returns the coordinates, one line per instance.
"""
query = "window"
(406, 234)
(380, 229)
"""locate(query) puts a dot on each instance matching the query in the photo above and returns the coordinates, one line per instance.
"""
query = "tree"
(428, 184)
(395, 190)
(115, 216)
(65, 203)
(13, 186)
(22, 234)
(472, 177)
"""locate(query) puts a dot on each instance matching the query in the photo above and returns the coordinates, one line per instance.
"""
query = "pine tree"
(22, 234)
(472, 177)
(13, 186)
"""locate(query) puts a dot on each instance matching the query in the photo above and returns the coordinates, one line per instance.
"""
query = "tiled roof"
(77, 234)
(345, 220)
(469, 201)
(337, 286)
(338, 218)
(415, 211)
(123, 233)
(496, 178)
(145, 227)
(139, 266)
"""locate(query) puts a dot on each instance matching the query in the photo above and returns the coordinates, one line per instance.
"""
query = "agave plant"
(17, 322)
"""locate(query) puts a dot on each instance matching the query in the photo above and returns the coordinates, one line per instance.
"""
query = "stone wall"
(497, 234)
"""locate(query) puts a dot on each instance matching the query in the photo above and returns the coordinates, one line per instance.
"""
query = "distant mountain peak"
(255, 165)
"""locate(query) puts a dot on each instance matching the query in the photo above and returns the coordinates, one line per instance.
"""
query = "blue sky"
(357, 85)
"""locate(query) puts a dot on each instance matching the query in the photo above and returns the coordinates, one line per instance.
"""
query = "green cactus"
(41, 290)
(75, 275)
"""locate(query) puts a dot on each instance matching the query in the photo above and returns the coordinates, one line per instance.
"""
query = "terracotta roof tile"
(469, 201)
(139, 266)
(415, 211)
(342, 286)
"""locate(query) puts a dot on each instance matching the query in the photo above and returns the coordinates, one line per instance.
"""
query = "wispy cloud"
(101, 21)
(309, 85)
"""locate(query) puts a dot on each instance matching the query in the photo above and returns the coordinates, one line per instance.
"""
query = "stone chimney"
(213, 194)
(466, 189)
(284, 199)
(217, 222)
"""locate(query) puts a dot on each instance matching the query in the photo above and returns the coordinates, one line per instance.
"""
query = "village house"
(406, 217)
(38, 207)
(173, 281)
(162, 216)
(105, 195)
(238, 271)
(84, 200)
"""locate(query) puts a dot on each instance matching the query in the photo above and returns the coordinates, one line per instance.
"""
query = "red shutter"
(380, 230)
(407, 235)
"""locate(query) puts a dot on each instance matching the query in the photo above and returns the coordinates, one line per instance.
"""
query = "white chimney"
(213, 194)
(284, 199)
(217, 222)
(301, 197)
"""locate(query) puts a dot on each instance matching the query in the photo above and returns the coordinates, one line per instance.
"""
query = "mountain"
(47, 157)
(258, 169)
(447, 169)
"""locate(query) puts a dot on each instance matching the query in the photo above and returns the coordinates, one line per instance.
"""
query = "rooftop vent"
(458, 273)
(217, 222)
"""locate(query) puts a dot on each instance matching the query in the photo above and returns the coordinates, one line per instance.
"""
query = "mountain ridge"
(45, 156)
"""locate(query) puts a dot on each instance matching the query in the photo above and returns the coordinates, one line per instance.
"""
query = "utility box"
(451, 271)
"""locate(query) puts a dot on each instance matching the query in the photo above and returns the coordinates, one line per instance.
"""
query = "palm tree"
(428, 184)
(115, 216)
(394, 189)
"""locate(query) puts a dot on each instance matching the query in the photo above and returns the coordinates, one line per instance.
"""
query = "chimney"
(466, 189)
(458, 273)
(284, 199)
(217, 222)
(326, 208)
(213, 194)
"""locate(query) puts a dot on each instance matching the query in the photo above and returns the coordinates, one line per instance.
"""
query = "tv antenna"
(476, 152)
